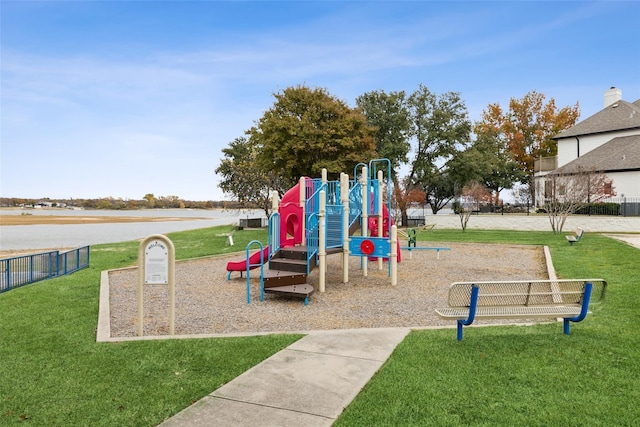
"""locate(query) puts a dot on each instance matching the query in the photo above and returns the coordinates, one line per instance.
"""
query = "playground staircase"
(287, 273)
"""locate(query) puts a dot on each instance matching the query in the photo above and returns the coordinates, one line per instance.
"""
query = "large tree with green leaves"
(389, 115)
(307, 130)
(487, 161)
(250, 185)
(441, 128)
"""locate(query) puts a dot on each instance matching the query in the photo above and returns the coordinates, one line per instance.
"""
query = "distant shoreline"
(9, 220)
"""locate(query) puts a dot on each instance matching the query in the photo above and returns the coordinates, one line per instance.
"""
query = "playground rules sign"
(156, 266)
(156, 263)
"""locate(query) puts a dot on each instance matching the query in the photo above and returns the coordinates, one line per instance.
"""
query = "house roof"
(619, 154)
(621, 115)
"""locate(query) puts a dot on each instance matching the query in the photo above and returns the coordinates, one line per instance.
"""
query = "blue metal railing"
(26, 269)
(250, 266)
(333, 219)
(355, 203)
(274, 233)
(313, 239)
(333, 231)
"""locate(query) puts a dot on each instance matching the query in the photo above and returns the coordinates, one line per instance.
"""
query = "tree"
(389, 115)
(528, 127)
(441, 128)
(469, 200)
(403, 197)
(150, 199)
(521, 194)
(487, 161)
(242, 178)
(567, 191)
(307, 130)
(441, 190)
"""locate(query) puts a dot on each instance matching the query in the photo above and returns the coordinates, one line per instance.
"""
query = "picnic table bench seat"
(567, 299)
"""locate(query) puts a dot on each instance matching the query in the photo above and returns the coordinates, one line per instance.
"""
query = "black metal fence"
(614, 206)
(26, 269)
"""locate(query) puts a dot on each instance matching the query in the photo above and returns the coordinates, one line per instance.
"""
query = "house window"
(548, 189)
(562, 190)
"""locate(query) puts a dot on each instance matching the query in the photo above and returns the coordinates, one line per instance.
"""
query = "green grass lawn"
(54, 373)
(514, 375)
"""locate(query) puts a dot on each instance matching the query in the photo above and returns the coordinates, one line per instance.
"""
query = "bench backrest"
(579, 233)
(526, 292)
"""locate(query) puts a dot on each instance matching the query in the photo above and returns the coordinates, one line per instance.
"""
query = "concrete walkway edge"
(309, 383)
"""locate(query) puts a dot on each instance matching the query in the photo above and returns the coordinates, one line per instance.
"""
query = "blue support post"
(473, 304)
(588, 287)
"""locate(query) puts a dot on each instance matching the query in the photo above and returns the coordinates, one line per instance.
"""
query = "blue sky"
(124, 98)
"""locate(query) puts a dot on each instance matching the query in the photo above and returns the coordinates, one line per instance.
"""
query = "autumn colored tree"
(404, 197)
(150, 199)
(528, 126)
(307, 130)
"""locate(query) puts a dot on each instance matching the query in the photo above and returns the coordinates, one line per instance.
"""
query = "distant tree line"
(148, 202)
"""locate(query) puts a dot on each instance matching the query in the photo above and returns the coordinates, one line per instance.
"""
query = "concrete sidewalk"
(309, 383)
(632, 239)
(590, 224)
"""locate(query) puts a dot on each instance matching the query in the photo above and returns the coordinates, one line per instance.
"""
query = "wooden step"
(276, 278)
(285, 264)
(332, 251)
(298, 291)
(292, 252)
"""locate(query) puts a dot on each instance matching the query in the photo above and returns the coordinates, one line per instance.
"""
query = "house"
(608, 141)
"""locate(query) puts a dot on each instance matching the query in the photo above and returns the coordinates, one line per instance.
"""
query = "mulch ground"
(206, 303)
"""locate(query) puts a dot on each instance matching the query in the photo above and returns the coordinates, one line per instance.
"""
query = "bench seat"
(521, 299)
(574, 238)
(425, 248)
(509, 312)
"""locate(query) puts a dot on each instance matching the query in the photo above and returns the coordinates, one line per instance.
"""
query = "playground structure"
(316, 218)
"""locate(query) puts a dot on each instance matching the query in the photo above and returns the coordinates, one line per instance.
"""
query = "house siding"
(568, 147)
(608, 132)
(626, 183)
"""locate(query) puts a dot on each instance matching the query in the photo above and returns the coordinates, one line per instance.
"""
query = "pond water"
(46, 236)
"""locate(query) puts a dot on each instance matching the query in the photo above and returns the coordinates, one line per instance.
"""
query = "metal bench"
(576, 237)
(411, 235)
(426, 248)
(566, 299)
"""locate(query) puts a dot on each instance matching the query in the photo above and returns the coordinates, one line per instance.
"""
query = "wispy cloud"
(128, 93)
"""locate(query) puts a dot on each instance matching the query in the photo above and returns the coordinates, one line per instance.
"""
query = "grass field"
(521, 375)
(54, 373)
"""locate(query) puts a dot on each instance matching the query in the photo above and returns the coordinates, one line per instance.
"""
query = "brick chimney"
(612, 96)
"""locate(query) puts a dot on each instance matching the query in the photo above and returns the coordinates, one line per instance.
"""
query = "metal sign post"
(156, 266)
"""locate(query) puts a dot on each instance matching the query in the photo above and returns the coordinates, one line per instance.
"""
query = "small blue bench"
(426, 248)
(566, 299)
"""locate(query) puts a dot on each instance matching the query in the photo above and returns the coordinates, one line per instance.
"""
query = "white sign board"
(156, 263)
